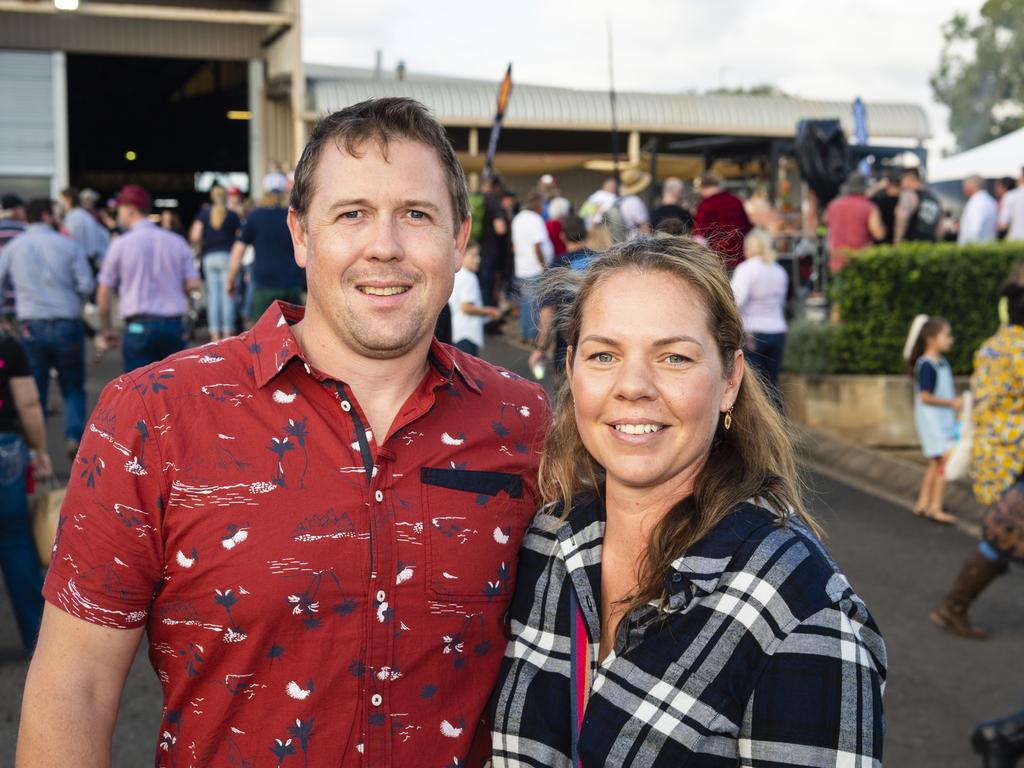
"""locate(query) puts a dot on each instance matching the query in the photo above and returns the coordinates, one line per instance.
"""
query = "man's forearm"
(103, 307)
(237, 251)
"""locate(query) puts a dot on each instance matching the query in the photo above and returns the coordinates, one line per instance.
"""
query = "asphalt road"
(939, 686)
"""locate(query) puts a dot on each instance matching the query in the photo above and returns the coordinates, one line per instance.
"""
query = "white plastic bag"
(958, 460)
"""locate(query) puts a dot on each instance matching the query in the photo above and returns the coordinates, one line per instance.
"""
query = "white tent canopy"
(1002, 157)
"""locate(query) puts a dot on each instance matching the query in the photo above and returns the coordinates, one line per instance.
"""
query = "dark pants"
(59, 344)
(468, 347)
(766, 359)
(490, 264)
(264, 297)
(148, 339)
(18, 559)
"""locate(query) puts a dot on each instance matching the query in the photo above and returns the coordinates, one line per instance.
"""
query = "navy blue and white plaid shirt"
(763, 656)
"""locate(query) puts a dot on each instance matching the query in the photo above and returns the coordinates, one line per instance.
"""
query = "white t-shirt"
(528, 229)
(1011, 213)
(466, 291)
(978, 222)
(760, 288)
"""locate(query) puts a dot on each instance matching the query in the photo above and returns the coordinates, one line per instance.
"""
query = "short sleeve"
(109, 271)
(926, 376)
(107, 559)
(13, 360)
(818, 702)
(248, 233)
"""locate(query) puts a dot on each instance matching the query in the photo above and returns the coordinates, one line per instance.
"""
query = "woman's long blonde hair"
(219, 211)
(752, 460)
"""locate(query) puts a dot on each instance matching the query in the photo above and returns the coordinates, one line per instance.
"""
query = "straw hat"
(633, 180)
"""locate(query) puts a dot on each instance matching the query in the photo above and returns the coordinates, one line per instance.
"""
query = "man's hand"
(42, 466)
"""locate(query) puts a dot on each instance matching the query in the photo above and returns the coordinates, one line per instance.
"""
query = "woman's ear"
(734, 381)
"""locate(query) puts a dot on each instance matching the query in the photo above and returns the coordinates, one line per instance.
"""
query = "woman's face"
(648, 382)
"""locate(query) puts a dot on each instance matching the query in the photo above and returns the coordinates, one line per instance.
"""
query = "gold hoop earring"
(727, 421)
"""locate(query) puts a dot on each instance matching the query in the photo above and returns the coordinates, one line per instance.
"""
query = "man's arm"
(84, 281)
(537, 249)
(500, 226)
(876, 227)
(237, 251)
(905, 207)
(104, 308)
(545, 322)
(73, 692)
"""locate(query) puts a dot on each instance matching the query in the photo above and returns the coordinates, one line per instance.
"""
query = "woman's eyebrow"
(677, 339)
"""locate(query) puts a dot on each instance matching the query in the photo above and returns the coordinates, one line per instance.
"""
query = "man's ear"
(297, 228)
(461, 241)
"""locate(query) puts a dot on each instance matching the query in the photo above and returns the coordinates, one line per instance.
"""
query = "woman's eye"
(602, 357)
(677, 359)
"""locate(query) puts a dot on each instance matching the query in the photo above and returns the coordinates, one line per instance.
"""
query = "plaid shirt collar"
(697, 572)
(274, 346)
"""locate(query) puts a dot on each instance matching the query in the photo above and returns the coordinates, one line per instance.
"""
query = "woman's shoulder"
(779, 555)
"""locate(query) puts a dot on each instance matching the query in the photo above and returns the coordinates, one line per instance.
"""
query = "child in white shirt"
(467, 306)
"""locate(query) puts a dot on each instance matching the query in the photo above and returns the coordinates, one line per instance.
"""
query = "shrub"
(882, 289)
(807, 347)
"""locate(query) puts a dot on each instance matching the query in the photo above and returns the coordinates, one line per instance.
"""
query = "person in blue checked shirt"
(674, 603)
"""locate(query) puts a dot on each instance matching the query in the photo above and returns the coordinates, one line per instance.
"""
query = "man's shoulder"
(493, 381)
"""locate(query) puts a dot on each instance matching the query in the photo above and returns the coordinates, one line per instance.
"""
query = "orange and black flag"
(504, 94)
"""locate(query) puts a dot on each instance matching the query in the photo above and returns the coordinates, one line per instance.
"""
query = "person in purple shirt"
(151, 270)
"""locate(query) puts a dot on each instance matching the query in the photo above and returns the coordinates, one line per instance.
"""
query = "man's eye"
(350, 215)
(418, 215)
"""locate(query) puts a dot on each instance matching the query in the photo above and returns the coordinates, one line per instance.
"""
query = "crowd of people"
(666, 353)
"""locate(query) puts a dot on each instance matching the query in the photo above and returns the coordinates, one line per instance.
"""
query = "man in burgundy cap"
(151, 270)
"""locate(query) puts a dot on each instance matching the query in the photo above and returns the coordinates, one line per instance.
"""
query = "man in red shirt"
(315, 523)
(721, 221)
(854, 222)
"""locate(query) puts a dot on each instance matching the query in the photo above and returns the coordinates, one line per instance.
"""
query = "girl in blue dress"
(935, 408)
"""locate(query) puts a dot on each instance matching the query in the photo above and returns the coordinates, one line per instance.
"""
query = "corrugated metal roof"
(463, 102)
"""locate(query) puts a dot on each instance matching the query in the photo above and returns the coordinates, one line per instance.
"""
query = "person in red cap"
(151, 270)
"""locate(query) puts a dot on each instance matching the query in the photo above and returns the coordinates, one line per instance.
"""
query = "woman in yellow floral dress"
(998, 459)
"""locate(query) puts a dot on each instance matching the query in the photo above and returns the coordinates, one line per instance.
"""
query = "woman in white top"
(760, 287)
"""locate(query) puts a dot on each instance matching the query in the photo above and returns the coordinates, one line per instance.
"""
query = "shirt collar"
(702, 567)
(274, 345)
(142, 223)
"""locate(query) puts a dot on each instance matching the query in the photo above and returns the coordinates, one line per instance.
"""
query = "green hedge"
(882, 289)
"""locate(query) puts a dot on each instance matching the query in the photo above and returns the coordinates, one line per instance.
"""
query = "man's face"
(379, 246)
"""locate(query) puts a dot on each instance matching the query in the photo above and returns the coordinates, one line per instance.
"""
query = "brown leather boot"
(976, 574)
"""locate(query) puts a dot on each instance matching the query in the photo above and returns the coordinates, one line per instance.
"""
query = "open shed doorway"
(156, 122)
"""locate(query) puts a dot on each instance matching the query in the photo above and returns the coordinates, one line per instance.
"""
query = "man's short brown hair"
(380, 121)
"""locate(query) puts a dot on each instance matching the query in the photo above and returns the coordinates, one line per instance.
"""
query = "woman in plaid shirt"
(674, 605)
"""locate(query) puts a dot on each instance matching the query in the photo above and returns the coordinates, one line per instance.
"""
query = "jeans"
(262, 298)
(148, 339)
(766, 360)
(18, 559)
(488, 277)
(469, 347)
(528, 311)
(220, 308)
(59, 344)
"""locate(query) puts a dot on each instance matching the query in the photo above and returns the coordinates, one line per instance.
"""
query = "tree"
(980, 77)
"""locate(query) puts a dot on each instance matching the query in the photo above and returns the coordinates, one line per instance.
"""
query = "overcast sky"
(881, 50)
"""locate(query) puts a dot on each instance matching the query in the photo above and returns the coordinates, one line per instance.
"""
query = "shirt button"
(379, 496)
(346, 406)
(376, 700)
(381, 596)
(676, 578)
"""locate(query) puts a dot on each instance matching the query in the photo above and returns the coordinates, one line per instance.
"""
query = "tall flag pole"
(860, 133)
(611, 100)
(504, 93)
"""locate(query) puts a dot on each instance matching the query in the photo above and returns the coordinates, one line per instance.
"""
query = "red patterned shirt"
(313, 596)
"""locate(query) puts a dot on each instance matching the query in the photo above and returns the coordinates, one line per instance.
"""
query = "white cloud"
(881, 50)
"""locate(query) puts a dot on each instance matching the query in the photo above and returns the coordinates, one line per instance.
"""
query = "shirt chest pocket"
(473, 522)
